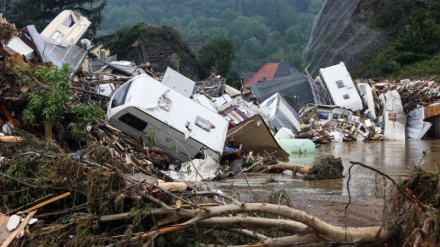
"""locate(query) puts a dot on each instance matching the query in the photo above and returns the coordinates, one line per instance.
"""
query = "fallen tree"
(109, 206)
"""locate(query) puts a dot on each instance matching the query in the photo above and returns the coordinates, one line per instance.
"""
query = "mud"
(327, 199)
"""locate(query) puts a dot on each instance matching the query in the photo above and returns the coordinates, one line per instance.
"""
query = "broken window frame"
(133, 121)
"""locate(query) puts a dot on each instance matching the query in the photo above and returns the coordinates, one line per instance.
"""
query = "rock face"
(163, 47)
(342, 33)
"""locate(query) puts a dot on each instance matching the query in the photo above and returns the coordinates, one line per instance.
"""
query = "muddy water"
(392, 158)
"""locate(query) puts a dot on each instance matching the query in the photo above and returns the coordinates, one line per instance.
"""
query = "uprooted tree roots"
(412, 224)
(326, 168)
(412, 209)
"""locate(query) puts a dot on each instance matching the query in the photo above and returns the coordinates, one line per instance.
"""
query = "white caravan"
(394, 117)
(341, 87)
(280, 113)
(67, 28)
(146, 108)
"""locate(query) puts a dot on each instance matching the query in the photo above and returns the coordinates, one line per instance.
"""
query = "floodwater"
(394, 158)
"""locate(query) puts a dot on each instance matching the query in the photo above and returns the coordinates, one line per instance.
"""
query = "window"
(55, 35)
(363, 90)
(120, 94)
(102, 55)
(68, 22)
(323, 115)
(133, 121)
(204, 123)
(346, 96)
(340, 83)
(335, 116)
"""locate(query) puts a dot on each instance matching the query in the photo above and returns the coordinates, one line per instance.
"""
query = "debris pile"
(84, 149)
(326, 168)
(381, 111)
(417, 221)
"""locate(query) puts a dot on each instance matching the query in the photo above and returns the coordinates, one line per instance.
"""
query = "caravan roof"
(341, 87)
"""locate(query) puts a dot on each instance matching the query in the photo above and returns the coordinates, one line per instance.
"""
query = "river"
(394, 158)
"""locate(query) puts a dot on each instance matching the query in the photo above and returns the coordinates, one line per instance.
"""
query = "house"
(270, 71)
(101, 54)
(294, 88)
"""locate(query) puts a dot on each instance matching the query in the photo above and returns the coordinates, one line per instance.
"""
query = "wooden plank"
(11, 139)
(432, 111)
(45, 203)
(48, 130)
(20, 227)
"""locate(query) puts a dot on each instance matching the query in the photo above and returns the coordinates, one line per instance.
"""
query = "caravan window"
(68, 22)
(55, 35)
(340, 83)
(121, 93)
(363, 90)
(133, 121)
(323, 115)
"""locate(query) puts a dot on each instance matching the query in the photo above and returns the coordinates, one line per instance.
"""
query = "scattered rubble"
(164, 135)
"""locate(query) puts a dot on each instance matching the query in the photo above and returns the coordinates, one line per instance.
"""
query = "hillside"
(262, 31)
(377, 38)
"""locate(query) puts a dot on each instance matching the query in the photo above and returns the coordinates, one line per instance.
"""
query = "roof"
(288, 86)
(270, 71)
(57, 54)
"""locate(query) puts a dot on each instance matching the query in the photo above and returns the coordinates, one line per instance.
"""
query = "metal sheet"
(254, 135)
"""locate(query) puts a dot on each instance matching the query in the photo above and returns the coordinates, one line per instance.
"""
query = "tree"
(40, 13)
(218, 53)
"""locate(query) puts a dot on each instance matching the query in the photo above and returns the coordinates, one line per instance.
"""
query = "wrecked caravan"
(394, 116)
(147, 109)
(67, 28)
(341, 87)
(280, 113)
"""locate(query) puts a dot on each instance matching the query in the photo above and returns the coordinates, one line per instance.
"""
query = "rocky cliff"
(342, 33)
(158, 46)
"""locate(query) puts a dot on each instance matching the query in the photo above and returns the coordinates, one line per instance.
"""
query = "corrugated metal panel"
(58, 55)
(288, 86)
(284, 69)
(317, 91)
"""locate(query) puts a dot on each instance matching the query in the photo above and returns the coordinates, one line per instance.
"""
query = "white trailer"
(394, 117)
(341, 87)
(280, 113)
(147, 109)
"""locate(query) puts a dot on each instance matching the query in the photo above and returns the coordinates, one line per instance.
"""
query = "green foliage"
(118, 42)
(234, 79)
(414, 35)
(48, 104)
(423, 68)
(41, 13)
(219, 53)
(175, 60)
(87, 114)
(249, 23)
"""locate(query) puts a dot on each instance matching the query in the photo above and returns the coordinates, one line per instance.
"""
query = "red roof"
(266, 72)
